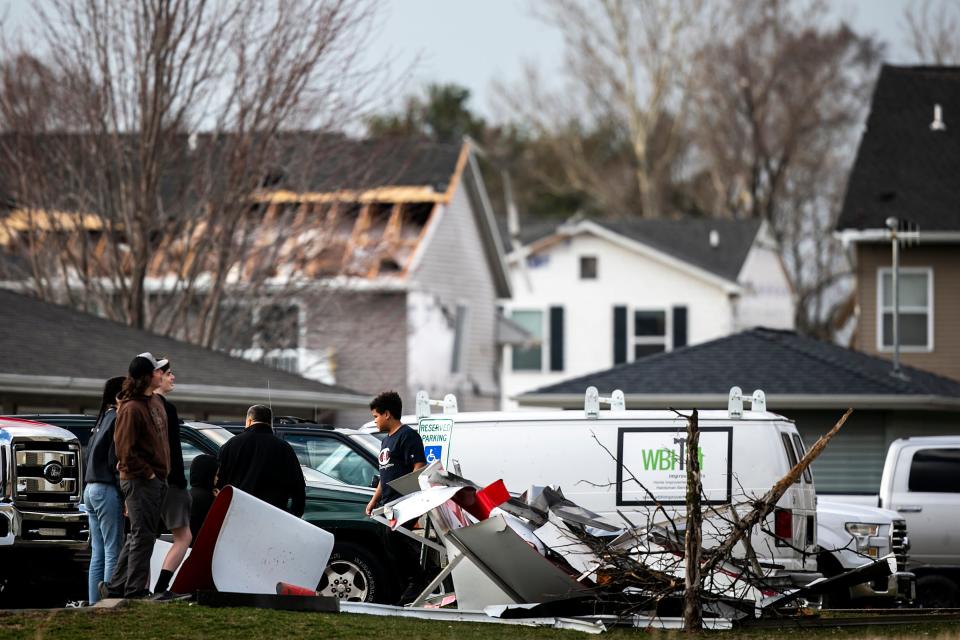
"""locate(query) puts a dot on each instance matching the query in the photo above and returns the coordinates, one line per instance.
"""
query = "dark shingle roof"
(44, 339)
(903, 168)
(301, 161)
(689, 239)
(685, 238)
(779, 362)
(361, 164)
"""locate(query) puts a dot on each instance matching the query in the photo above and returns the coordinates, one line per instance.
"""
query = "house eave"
(198, 393)
(778, 403)
(874, 236)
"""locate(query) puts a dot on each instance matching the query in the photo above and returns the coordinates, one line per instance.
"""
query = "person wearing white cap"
(143, 455)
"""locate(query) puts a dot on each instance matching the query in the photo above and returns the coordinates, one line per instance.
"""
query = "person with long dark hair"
(101, 493)
(143, 458)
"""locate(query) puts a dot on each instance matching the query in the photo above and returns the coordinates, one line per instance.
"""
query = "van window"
(791, 454)
(935, 471)
(802, 451)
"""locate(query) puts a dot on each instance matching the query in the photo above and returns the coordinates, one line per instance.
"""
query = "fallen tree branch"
(767, 503)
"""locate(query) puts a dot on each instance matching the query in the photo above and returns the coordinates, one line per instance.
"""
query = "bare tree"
(617, 125)
(134, 159)
(932, 29)
(779, 95)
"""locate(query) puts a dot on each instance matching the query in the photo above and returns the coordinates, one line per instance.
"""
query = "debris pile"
(540, 554)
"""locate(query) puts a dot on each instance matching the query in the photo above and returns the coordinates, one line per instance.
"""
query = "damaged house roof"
(328, 205)
(794, 371)
(907, 166)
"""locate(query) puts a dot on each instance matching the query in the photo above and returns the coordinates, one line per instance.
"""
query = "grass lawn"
(179, 620)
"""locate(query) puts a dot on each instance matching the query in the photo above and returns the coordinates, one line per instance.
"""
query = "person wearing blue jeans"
(101, 495)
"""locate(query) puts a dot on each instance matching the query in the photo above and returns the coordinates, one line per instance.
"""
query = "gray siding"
(367, 331)
(853, 461)
(454, 268)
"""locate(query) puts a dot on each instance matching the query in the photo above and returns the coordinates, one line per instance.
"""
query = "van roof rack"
(449, 404)
(758, 402)
(592, 401)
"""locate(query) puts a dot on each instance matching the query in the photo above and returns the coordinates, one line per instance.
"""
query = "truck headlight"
(862, 529)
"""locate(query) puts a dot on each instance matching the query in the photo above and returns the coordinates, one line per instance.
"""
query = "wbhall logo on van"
(667, 459)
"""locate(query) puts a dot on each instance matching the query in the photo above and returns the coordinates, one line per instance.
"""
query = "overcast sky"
(473, 42)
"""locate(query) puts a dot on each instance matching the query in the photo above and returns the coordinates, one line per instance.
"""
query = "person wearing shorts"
(176, 506)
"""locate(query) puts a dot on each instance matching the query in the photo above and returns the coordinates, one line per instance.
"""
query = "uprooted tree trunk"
(692, 605)
(766, 504)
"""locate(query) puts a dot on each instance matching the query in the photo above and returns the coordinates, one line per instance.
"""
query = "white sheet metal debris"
(468, 615)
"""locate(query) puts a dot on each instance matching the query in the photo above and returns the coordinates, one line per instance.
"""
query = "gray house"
(54, 359)
(809, 381)
(407, 282)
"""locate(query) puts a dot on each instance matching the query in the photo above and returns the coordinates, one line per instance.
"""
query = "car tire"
(354, 574)
(937, 592)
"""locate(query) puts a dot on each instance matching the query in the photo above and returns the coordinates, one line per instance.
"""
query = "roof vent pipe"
(938, 123)
(714, 238)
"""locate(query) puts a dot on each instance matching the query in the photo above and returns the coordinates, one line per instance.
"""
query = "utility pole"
(893, 224)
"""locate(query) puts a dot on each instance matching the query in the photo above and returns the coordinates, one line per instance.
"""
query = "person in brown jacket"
(143, 454)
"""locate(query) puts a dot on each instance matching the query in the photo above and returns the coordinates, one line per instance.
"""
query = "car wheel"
(938, 592)
(353, 575)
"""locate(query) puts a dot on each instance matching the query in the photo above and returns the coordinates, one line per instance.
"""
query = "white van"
(618, 462)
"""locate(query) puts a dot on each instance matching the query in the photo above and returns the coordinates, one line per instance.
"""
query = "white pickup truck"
(921, 483)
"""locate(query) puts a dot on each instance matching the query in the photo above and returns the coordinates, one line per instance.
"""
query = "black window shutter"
(556, 338)
(679, 327)
(619, 335)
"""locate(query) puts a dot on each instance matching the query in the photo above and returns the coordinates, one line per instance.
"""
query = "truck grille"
(46, 472)
(898, 540)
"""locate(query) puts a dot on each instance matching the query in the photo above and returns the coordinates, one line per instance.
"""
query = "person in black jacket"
(176, 504)
(203, 473)
(101, 495)
(263, 465)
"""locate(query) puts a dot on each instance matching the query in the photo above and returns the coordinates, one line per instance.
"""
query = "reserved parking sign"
(436, 434)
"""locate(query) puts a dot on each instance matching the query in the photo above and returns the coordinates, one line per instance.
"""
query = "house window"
(916, 309)
(588, 267)
(529, 358)
(649, 332)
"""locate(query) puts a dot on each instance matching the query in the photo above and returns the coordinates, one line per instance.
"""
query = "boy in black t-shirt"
(400, 453)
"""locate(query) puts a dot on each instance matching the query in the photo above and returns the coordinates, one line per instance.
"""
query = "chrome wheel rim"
(344, 580)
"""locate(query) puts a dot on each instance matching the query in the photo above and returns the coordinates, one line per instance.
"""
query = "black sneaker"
(104, 591)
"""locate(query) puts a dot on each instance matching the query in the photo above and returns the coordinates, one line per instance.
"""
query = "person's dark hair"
(260, 413)
(388, 402)
(167, 364)
(111, 389)
(203, 469)
(138, 379)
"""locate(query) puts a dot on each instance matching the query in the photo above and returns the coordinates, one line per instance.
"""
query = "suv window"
(332, 457)
(935, 471)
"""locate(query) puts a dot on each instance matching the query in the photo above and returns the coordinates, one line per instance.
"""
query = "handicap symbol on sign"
(433, 453)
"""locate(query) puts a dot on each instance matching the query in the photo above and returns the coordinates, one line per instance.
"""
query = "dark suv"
(340, 467)
(346, 455)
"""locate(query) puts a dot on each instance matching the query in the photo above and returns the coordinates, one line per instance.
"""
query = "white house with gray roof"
(593, 294)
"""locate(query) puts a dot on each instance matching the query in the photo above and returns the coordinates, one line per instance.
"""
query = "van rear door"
(800, 498)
